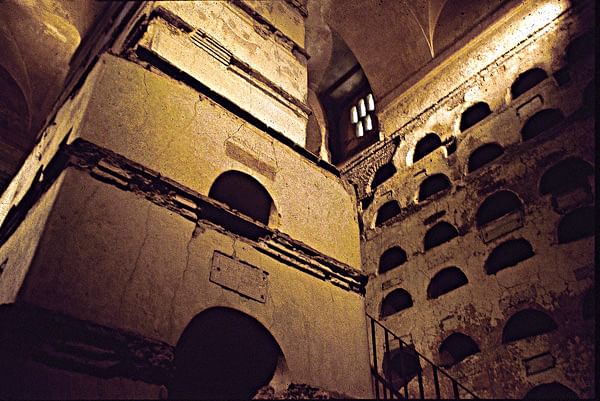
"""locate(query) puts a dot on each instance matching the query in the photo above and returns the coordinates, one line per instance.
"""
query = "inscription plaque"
(239, 277)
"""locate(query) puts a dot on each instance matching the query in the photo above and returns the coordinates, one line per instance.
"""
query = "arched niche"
(508, 254)
(576, 225)
(441, 233)
(566, 176)
(483, 155)
(497, 205)
(446, 280)
(388, 211)
(394, 302)
(473, 115)
(426, 145)
(527, 323)
(383, 174)
(526, 81)
(540, 122)
(391, 258)
(455, 348)
(551, 391)
(224, 354)
(432, 185)
(244, 194)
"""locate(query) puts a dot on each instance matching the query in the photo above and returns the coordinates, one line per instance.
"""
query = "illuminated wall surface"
(297, 198)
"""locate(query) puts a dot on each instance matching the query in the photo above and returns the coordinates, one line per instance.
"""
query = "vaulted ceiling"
(390, 39)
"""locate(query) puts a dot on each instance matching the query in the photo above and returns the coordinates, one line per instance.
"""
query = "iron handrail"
(455, 384)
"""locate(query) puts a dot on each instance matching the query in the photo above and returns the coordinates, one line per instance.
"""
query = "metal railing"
(432, 382)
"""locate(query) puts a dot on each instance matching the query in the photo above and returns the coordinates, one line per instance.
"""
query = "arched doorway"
(223, 354)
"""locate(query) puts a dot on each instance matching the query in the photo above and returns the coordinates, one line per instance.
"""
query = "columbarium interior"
(297, 199)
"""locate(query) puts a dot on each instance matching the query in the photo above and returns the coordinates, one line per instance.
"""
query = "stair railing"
(432, 382)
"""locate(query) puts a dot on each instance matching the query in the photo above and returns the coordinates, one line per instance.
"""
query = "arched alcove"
(432, 185)
(401, 365)
(383, 174)
(565, 176)
(223, 354)
(484, 155)
(426, 145)
(473, 115)
(456, 347)
(551, 391)
(508, 254)
(386, 212)
(391, 258)
(576, 225)
(526, 81)
(541, 122)
(497, 205)
(527, 323)
(244, 194)
(395, 301)
(440, 233)
(446, 280)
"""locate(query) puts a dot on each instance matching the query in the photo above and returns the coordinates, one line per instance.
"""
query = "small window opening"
(562, 76)
(396, 301)
(484, 155)
(588, 306)
(496, 206)
(473, 115)
(576, 225)
(541, 122)
(244, 194)
(362, 115)
(580, 48)
(527, 323)
(526, 81)
(432, 185)
(384, 173)
(440, 233)
(566, 176)
(508, 254)
(551, 391)
(387, 212)
(456, 347)
(446, 280)
(426, 145)
(391, 259)
(366, 202)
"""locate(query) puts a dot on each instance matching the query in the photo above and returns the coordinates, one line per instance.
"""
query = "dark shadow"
(244, 194)
(566, 176)
(440, 233)
(483, 155)
(527, 323)
(588, 306)
(446, 280)
(580, 48)
(395, 302)
(541, 122)
(384, 173)
(386, 212)
(508, 254)
(426, 145)
(551, 391)
(496, 206)
(391, 258)
(576, 225)
(474, 114)
(526, 81)
(223, 354)
(432, 185)
(400, 366)
(456, 347)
